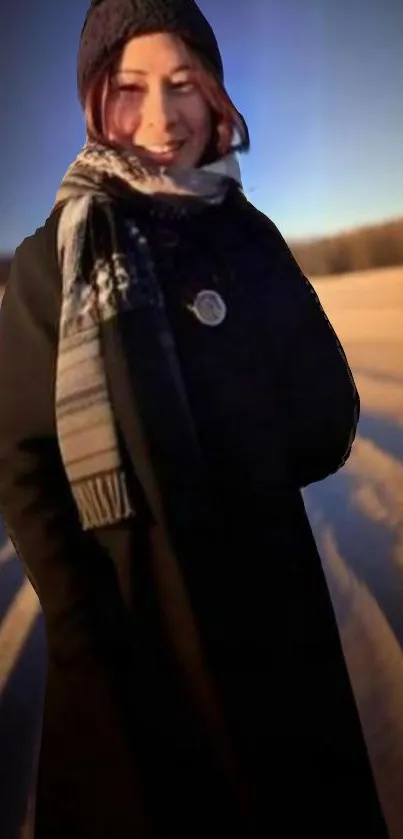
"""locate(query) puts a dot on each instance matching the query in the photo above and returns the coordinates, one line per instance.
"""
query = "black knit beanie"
(109, 24)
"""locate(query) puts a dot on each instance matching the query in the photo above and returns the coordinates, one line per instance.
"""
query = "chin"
(189, 158)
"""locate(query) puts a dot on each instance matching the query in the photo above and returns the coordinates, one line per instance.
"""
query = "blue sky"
(319, 81)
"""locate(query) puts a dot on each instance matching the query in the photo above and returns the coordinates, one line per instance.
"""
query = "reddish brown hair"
(227, 121)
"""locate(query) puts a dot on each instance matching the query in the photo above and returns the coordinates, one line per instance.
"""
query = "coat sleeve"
(318, 399)
(73, 577)
(35, 499)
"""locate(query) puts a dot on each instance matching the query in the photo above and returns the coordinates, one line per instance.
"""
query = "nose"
(158, 110)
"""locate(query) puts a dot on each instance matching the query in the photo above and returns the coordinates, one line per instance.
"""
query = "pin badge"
(209, 308)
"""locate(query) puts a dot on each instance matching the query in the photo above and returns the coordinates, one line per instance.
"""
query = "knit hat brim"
(111, 23)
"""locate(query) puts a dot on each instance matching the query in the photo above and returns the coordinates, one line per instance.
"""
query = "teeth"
(162, 149)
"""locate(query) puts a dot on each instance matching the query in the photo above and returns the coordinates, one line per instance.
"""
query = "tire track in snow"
(375, 662)
(377, 489)
(22, 609)
(368, 493)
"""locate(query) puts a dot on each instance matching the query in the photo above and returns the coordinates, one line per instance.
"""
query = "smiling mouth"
(164, 153)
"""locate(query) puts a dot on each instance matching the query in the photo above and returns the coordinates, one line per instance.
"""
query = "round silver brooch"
(209, 308)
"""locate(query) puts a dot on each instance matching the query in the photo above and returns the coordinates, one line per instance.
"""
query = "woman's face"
(154, 105)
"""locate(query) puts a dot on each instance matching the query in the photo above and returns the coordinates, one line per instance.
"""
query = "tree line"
(373, 246)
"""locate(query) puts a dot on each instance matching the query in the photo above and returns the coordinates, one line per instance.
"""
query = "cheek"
(199, 120)
(121, 121)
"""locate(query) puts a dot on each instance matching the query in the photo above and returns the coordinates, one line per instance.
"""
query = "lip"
(163, 155)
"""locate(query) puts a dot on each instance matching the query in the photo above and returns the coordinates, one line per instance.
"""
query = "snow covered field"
(357, 518)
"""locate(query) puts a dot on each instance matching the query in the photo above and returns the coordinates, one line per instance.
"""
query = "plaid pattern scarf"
(101, 278)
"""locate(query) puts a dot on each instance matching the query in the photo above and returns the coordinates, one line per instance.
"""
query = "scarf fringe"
(103, 500)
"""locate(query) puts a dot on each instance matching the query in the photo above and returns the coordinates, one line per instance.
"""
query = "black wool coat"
(275, 408)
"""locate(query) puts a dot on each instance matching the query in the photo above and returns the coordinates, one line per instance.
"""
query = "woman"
(170, 383)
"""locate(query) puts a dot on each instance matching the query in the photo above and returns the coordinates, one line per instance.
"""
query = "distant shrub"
(375, 246)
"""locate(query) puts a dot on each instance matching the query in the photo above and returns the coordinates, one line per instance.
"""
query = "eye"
(185, 86)
(128, 88)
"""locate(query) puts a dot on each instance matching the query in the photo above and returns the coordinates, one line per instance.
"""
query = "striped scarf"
(106, 270)
(101, 277)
